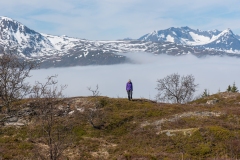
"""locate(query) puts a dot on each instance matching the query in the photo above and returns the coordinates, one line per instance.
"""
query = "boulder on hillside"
(213, 101)
(27, 111)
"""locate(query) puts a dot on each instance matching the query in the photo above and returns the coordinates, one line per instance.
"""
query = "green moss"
(219, 133)
(196, 137)
(199, 150)
(79, 131)
(119, 126)
(103, 102)
(8, 131)
(6, 139)
(25, 146)
(7, 156)
(154, 113)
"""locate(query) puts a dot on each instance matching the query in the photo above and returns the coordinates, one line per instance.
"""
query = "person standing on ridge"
(129, 88)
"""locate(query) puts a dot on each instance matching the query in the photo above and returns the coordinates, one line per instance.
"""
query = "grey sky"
(116, 19)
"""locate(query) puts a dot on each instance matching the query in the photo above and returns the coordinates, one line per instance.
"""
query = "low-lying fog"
(212, 73)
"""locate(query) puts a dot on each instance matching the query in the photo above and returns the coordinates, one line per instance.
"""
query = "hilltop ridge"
(138, 129)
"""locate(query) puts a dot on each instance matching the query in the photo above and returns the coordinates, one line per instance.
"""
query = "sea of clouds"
(212, 73)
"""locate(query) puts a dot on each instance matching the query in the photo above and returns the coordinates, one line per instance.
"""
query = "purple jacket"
(129, 86)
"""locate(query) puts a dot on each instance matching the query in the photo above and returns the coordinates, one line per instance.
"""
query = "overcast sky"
(117, 19)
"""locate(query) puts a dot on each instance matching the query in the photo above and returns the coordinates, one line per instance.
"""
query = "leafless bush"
(13, 74)
(47, 96)
(95, 92)
(94, 114)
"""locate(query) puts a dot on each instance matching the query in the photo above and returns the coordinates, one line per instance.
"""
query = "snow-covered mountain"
(27, 41)
(60, 51)
(225, 40)
(52, 50)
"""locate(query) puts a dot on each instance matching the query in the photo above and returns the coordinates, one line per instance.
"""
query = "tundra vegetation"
(47, 125)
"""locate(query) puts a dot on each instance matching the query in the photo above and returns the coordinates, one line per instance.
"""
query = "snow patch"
(170, 38)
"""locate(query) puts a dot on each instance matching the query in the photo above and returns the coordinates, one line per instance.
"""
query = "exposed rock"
(12, 119)
(185, 132)
(26, 112)
(13, 124)
(213, 101)
(60, 107)
(70, 113)
(21, 118)
(15, 121)
(62, 110)
(176, 117)
(80, 109)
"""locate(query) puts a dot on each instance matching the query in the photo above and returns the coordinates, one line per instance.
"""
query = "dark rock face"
(79, 59)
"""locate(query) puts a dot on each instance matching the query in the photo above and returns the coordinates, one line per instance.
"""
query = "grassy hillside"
(114, 128)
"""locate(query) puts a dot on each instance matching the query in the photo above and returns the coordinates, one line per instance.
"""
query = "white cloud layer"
(115, 19)
(212, 73)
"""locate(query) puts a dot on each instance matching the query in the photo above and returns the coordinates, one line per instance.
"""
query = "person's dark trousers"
(129, 94)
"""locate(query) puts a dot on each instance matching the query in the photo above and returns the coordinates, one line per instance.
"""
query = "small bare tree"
(95, 114)
(47, 96)
(95, 93)
(13, 74)
(176, 89)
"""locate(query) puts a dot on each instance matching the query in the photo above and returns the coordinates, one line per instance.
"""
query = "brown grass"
(139, 129)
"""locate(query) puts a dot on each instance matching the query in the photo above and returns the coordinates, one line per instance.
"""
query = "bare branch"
(47, 97)
(95, 115)
(95, 92)
(13, 74)
(176, 89)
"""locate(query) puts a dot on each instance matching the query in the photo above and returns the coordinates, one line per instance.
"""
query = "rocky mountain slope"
(62, 51)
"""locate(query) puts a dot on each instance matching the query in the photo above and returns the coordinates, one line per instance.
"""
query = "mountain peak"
(5, 18)
(155, 32)
(228, 30)
(185, 28)
(10, 24)
(14, 33)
